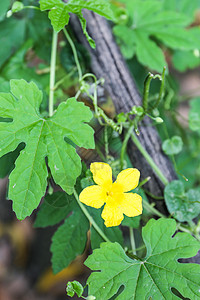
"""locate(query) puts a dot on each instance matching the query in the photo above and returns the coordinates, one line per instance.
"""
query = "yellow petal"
(131, 205)
(92, 196)
(112, 215)
(129, 179)
(102, 173)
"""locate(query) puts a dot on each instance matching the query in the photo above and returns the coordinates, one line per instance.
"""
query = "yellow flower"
(118, 202)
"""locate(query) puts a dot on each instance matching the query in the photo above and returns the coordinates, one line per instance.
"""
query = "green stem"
(52, 72)
(74, 53)
(146, 91)
(90, 219)
(161, 89)
(149, 159)
(32, 7)
(106, 141)
(152, 210)
(153, 196)
(132, 240)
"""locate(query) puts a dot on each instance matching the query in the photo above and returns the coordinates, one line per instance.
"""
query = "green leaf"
(133, 222)
(5, 4)
(186, 7)
(183, 60)
(54, 209)
(59, 14)
(149, 21)
(74, 287)
(69, 240)
(176, 38)
(83, 24)
(148, 53)
(184, 206)
(194, 114)
(155, 275)
(125, 39)
(43, 138)
(113, 233)
(11, 38)
(59, 17)
(172, 146)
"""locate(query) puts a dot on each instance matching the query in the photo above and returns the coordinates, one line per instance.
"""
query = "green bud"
(17, 6)
(9, 14)
(91, 297)
(159, 120)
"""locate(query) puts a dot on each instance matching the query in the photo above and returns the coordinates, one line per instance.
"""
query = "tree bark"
(107, 62)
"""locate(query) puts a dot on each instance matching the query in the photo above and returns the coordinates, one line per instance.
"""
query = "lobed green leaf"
(155, 275)
(43, 138)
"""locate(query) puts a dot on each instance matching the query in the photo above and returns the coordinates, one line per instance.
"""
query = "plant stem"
(152, 210)
(52, 72)
(149, 159)
(132, 240)
(74, 53)
(90, 219)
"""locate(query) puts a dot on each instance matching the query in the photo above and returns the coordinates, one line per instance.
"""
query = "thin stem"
(146, 91)
(74, 53)
(161, 89)
(32, 7)
(152, 210)
(153, 196)
(132, 240)
(90, 219)
(64, 78)
(106, 141)
(52, 72)
(149, 159)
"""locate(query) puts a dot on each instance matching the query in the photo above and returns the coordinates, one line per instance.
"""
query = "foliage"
(151, 21)
(172, 146)
(43, 137)
(184, 206)
(141, 278)
(74, 287)
(59, 12)
(41, 149)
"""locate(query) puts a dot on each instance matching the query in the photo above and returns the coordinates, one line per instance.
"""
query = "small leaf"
(184, 206)
(69, 240)
(194, 114)
(155, 275)
(54, 209)
(83, 24)
(74, 287)
(172, 146)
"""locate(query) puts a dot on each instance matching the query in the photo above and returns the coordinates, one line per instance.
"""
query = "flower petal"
(112, 215)
(92, 196)
(102, 173)
(129, 179)
(131, 205)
